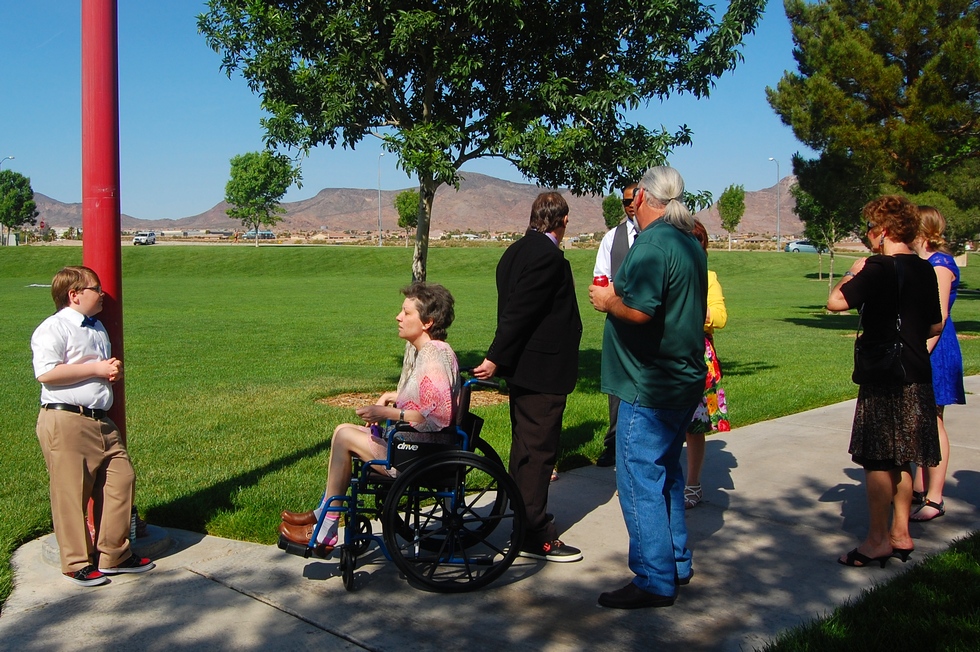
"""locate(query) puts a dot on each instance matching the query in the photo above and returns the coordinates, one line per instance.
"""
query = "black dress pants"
(535, 420)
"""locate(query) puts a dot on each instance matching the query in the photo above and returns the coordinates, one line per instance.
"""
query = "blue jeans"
(651, 493)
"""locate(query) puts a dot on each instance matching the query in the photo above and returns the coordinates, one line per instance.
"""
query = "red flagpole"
(101, 232)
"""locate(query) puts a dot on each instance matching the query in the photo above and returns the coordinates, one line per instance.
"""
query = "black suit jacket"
(538, 323)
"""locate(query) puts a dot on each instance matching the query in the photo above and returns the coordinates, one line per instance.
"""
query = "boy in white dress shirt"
(83, 449)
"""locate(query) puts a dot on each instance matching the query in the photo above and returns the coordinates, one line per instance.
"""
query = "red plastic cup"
(602, 281)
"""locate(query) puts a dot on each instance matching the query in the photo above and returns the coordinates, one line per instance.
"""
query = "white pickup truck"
(145, 238)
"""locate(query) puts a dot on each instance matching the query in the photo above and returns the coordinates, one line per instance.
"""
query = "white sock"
(328, 532)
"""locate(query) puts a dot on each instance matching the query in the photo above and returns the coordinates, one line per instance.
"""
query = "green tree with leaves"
(545, 85)
(612, 210)
(258, 182)
(731, 208)
(830, 193)
(891, 89)
(407, 204)
(17, 206)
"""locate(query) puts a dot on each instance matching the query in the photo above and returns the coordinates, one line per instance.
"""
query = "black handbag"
(880, 363)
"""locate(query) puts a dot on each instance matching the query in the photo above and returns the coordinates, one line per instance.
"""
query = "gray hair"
(666, 186)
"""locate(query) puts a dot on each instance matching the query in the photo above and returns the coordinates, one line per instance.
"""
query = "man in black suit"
(535, 349)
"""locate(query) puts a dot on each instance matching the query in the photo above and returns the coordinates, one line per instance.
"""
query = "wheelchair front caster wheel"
(347, 562)
(362, 538)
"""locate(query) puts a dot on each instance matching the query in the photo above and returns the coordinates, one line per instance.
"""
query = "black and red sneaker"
(552, 551)
(132, 565)
(88, 576)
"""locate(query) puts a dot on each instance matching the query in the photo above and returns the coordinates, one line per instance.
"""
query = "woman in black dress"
(895, 421)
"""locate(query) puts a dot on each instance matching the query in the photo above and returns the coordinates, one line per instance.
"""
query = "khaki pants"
(87, 459)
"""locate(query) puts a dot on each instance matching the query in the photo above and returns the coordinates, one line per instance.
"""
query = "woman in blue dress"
(947, 362)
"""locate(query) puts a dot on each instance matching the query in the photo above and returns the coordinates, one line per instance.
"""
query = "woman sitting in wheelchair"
(427, 398)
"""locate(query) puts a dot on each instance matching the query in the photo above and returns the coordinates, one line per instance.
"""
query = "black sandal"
(940, 508)
(859, 560)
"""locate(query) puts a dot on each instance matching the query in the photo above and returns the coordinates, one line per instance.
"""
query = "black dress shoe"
(633, 597)
(608, 458)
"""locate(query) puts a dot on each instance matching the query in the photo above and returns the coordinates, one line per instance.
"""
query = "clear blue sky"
(182, 119)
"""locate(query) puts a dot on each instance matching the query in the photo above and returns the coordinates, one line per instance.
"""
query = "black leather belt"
(77, 409)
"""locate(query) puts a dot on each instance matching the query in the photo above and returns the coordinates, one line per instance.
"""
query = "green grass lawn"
(228, 350)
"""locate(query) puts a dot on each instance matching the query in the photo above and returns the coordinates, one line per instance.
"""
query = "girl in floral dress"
(712, 414)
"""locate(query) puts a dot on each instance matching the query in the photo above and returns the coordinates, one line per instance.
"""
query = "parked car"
(263, 235)
(805, 247)
(145, 238)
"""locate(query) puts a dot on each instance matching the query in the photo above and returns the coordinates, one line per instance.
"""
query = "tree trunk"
(427, 192)
(830, 276)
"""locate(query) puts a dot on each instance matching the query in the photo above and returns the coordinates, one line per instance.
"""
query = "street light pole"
(778, 238)
(1, 227)
(379, 197)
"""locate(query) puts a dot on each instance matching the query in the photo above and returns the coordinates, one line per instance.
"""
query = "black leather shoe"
(633, 597)
(608, 458)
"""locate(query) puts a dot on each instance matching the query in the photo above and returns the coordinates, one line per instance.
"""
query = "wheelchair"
(452, 519)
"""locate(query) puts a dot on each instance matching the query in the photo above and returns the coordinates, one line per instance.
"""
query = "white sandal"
(692, 496)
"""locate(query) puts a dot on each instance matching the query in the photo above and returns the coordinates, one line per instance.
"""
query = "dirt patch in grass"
(357, 399)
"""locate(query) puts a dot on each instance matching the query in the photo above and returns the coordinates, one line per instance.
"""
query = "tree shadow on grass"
(965, 326)
(820, 318)
(965, 292)
(733, 367)
(194, 511)
(815, 276)
(573, 439)
(590, 370)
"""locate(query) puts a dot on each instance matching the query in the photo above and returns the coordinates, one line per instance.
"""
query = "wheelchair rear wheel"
(454, 523)
(484, 449)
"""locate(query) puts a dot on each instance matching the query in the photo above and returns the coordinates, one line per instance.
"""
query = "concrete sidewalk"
(782, 501)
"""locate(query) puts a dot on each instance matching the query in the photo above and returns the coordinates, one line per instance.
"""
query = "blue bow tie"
(90, 322)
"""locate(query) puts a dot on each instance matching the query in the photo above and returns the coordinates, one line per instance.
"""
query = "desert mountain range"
(483, 203)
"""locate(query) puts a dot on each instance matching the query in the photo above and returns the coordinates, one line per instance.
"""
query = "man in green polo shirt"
(653, 360)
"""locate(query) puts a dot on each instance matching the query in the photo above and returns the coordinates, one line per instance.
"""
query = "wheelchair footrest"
(293, 548)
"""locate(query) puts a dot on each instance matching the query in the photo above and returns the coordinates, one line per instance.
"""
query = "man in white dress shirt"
(83, 449)
(612, 251)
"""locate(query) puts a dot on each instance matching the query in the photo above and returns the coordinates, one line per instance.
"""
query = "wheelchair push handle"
(476, 382)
